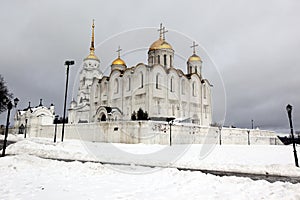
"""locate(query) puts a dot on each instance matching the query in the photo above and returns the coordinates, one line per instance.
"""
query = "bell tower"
(90, 70)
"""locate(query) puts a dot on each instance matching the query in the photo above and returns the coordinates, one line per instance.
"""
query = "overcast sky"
(255, 45)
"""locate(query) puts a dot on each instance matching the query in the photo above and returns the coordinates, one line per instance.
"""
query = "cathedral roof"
(160, 44)
(194, 57)
(92, 56)
(118, 61)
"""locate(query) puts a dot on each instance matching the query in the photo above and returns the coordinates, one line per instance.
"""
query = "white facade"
(156, 87)
(32, 117)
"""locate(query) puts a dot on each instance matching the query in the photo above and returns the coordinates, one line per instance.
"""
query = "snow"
(24, 175)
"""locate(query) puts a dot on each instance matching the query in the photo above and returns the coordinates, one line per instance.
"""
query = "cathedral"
(158, 88)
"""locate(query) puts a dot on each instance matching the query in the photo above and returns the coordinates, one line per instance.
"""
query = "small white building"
(32, 117)
(158, 87)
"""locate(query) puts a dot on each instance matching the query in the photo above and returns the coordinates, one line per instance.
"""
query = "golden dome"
(118, 61)
(194, 57)
(160, 44)
(92, 56)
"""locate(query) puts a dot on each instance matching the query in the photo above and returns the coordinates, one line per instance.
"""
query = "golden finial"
(92, 48)
(119, 51)
(194, 47)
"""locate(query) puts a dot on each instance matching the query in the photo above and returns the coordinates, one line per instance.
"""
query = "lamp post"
(248, 131)
(9, 107)
(220, 134)
(170, 121)
(55, 129)
(67, 63)
(26, 120)
(289, 111)
(252, 123)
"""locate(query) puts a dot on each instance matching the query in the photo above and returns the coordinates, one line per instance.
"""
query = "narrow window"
(172, 85)
(142, 80)
(191, 69)
(183, 87)
(165, 60)
(96, 91)
(170, 60)
(129, 84)
(83, 81)
(204, 92)
(116, 89)
(173, 110)
(196, 69)
(194, 88)
(157, 81)
(158, 59)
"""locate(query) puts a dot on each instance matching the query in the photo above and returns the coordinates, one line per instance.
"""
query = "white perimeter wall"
(150, 132)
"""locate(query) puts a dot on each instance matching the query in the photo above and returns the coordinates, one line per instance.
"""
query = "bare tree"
(5, 95)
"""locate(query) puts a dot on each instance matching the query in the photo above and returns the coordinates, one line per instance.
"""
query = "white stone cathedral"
(157, 87)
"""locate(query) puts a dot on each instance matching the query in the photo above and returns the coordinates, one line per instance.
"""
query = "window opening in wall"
(142, 80)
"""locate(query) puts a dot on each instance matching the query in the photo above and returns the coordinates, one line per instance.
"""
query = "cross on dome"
(194, 47)
(162, 30)
(119, 51)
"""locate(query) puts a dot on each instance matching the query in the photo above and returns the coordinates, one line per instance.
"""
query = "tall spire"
(92, 48)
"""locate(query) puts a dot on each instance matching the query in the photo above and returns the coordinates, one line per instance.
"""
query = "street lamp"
(67, 63)
(55, 129)
(25, 132)
(170, 121)
(289, 111)
(220, 134)
(252, 123)
(248, 131)
(9, 107)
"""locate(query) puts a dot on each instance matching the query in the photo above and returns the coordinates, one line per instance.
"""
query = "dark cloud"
(255, 45)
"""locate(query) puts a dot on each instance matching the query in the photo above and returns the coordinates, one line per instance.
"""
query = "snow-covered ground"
(26, 176)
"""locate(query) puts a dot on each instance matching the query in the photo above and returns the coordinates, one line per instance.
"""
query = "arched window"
(172, 84)
(183, 86)
(158, 59)
(165, 60)
(170, 60)
(157, 81)
(196, 69)
(116, 86)
(191, 68)
(142, 80)
(194, 89)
